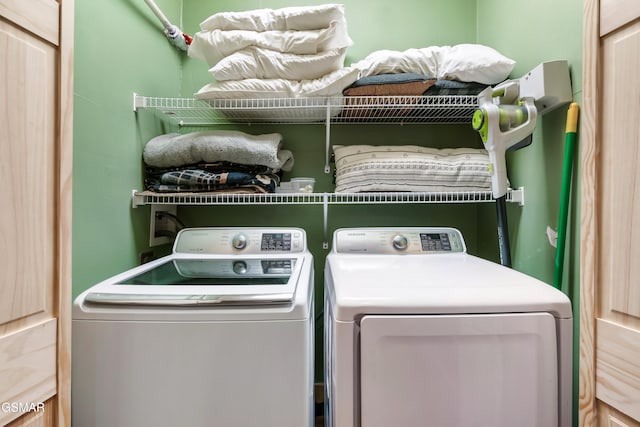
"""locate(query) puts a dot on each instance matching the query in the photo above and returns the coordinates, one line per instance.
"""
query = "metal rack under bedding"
(188, 112)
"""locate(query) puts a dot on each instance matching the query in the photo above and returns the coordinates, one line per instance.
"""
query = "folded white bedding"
(212, 46)
(464, 62)
(173, 149)
(421, 61)
(361, 168)
(330, 84)
(259, 63)
(288, 18)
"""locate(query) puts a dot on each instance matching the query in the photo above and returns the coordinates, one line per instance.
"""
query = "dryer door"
(459, 370)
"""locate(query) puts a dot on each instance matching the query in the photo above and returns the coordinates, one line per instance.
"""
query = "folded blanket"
(152, 172)
(287, 18)
(361, 168)
(212, 46)
(330, 84)
(453, 87)
(390, 89)
(258, 63)
(463, 62)
(195, 180)
(220, 145)
(424, 61)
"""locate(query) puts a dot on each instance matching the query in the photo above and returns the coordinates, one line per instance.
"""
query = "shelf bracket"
(517, 196)
(136, 200)
(327, 142)
(139, 101)
(325, 215)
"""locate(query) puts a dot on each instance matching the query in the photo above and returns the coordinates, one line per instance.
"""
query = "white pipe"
(173, 33)
(155, 9)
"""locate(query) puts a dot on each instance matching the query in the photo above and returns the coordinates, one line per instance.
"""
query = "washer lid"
(188, 280)
(435, 284)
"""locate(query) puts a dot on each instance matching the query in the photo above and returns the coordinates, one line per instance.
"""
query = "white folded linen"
(259, 63)
(287, 18)
(361, 168)
(212, 46)
(330, 84)
(423, 61)
(464, 62)
(173, 149)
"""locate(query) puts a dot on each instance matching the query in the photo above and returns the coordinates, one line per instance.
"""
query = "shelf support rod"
(327, 142)
(325, 215)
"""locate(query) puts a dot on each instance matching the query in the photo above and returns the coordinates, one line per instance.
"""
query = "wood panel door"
(36, 72)
(610, 223)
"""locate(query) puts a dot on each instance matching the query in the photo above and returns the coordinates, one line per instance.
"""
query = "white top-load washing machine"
(420, 333)
(219, 333)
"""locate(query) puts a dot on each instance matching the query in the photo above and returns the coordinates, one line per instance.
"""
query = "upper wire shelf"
(337, 109)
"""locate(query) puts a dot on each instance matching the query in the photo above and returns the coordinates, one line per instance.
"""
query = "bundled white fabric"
(330, 84)
(423, 61)
(475, 63)
(212, 46)
(288, 18)
(464, 62)
(173, 149)
(258, 63)
(362, 168)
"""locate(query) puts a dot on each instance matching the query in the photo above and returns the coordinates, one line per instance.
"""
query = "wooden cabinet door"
(36, 40)
(610, 260)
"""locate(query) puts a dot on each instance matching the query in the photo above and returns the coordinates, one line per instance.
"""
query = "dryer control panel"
(402, 240)
(242, 240)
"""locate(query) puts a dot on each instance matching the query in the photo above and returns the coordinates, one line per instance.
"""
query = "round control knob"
(239, 241)
(239, 267)
(400, 242)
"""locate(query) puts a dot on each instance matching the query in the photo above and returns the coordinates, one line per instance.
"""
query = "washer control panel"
(403, 240)
(244, 240)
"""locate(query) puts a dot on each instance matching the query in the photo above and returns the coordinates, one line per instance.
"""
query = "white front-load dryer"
(420, 333)
(219, 333)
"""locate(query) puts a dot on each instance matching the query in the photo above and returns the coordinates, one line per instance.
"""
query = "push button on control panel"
(239, 241)
(400, 242)
(240, 267)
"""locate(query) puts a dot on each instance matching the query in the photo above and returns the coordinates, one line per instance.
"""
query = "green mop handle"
(569, 148)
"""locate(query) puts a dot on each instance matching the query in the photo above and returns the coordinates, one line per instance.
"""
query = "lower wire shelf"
(141, 198)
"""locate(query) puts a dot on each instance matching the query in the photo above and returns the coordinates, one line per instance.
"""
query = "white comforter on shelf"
(212, 46)
(288, 52)
(463, 62)
(297, 52)
(287, 18)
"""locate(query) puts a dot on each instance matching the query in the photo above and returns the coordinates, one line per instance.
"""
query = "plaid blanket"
(195, 180)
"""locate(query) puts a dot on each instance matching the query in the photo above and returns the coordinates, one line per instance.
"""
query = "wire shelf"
(141, 198)
(338, 109)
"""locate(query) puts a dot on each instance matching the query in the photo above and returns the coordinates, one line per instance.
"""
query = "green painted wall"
(119, 49)
(539, 167)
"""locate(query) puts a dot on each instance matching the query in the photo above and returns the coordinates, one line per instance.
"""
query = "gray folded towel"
(173, 149)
